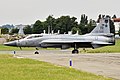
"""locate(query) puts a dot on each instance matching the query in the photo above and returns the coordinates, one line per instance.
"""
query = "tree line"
(63, 24)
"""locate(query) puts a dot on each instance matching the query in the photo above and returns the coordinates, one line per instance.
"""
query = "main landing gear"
(75, 51)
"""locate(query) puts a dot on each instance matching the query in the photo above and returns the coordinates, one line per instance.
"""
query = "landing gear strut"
(75, 51)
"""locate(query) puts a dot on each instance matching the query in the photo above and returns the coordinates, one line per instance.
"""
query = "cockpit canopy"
(34, 36)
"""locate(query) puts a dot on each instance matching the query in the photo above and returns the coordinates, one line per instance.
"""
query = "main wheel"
(75, 51)
(36, 52)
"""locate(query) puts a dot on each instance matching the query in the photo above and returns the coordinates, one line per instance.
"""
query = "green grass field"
(8, 48)
(28, 69)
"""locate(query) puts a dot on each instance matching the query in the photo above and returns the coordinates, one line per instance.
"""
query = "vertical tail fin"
(103, 26)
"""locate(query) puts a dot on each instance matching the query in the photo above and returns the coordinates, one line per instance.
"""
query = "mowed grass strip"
(9, 48)
(28, 69)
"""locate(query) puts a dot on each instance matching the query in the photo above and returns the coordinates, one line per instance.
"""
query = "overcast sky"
(28, 11)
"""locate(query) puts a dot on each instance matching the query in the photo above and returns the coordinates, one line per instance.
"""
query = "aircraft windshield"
(35, 36)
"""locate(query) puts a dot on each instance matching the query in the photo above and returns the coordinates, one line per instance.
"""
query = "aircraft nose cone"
(12, 43)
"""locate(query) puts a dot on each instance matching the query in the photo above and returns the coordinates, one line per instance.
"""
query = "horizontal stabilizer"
(101, 43)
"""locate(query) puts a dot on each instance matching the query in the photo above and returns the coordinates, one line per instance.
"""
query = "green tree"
(51, 23)
(14, 31)
(60, 25)
(37, 27)
(74, 30)
(65, 24)
(4, 31)
(83, 24)
(45, 26)
(91, 25)
(84, 19)
(27, 29)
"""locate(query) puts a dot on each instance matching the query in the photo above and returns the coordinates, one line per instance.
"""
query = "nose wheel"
(36, 52)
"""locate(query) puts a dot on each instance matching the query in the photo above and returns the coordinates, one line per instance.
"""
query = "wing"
(63, 43)
(67, 43)
(73, 41)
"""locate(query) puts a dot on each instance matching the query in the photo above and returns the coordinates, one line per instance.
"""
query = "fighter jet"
(100, 36)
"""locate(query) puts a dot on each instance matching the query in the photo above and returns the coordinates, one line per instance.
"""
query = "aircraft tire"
(75, 51)
(36, 52)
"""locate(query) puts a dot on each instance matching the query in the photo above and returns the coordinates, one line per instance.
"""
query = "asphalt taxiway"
(106, 64)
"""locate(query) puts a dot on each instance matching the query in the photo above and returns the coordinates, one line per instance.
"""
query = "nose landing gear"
(36, 52)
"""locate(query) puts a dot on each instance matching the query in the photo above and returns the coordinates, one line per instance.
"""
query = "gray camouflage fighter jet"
(100, 36)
